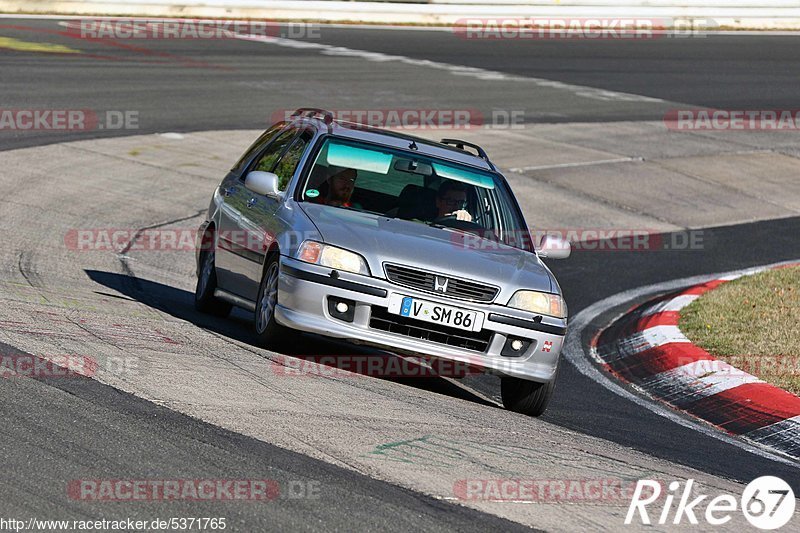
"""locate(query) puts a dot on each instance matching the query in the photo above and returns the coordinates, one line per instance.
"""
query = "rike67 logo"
(767, 503)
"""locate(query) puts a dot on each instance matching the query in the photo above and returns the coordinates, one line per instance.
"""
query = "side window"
(287, 164)
(270, 156)
(262, 140)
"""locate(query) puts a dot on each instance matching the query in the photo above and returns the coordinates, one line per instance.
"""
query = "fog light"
(341, 308)
(515, 347)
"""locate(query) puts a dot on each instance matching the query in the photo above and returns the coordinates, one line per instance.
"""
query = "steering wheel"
(451, 221)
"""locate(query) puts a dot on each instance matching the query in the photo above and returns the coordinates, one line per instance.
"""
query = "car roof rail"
(313, 112)
(458, 143)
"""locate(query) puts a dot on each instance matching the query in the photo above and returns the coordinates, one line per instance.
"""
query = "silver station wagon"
(386, 240)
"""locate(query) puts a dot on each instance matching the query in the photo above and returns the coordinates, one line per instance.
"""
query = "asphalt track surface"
(200, 85)
(185, 85)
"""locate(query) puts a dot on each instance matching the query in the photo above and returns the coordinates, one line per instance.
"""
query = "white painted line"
(694, 381)
(748, 272)
(456, 70)
(640, 341)
(673, 304)
(661, 335)
(581, 357)
(581, 164)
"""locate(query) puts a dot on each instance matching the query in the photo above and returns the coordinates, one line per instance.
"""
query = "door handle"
(251, 202)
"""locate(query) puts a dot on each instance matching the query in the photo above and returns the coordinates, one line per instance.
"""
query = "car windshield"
(397, 184)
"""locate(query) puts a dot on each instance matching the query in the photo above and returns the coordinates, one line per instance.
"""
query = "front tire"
(526, 397)
(269, 333)
(204, 299)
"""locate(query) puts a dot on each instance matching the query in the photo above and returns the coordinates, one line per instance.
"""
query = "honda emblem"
(440, 285)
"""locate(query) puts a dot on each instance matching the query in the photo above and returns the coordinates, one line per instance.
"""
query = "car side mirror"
(553, 247)
(264, 183)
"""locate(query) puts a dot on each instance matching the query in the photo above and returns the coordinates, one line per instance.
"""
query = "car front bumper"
(304, 290)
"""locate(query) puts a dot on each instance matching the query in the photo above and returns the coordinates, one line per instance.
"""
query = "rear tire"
(204, 299)
(526, 397)
(269, 333)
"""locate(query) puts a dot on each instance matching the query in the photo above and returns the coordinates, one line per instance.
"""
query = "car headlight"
(542, 303)
(333, 257)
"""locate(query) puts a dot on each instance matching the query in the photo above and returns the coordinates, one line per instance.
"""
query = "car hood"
(380, 239)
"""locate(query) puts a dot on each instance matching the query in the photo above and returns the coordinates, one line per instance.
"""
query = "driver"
(341, 187)
(451, 201)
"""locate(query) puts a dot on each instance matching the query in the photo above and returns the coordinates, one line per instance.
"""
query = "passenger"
(451, 200)
(340, 188)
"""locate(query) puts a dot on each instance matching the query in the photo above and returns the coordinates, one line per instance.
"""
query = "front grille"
(383, 320)
(426, 281)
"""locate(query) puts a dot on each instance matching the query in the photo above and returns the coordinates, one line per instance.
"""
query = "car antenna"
(413, 146)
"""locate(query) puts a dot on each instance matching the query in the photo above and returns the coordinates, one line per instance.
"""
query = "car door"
(260, 219)
(237, 242)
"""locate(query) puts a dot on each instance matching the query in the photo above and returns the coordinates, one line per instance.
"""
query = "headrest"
(417, 202)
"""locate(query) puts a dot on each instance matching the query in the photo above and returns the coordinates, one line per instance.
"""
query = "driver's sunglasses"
(453, 202)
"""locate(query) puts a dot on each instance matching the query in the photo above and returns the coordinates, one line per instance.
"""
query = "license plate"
(426, 311)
